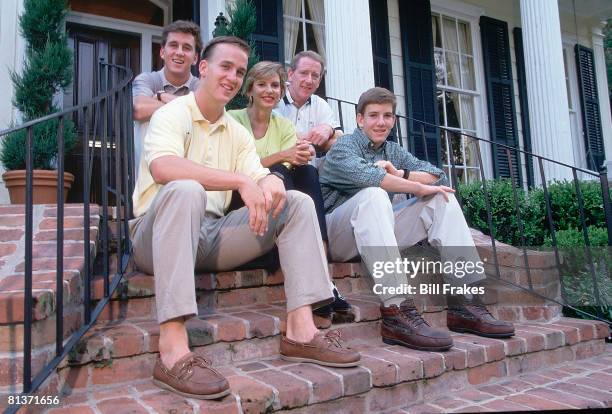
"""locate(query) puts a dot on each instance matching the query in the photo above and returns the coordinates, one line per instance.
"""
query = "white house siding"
(13, 47)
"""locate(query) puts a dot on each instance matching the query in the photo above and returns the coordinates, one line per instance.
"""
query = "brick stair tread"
(132, 347)
(124, 338)
(389, 377)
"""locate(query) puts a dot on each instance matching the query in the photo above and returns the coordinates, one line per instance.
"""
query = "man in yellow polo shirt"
(195, 155)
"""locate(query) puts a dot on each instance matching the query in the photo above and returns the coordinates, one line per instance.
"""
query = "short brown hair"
(264, 70)
(232, 40)
(183, 26)
(376, 96)
(309, 54)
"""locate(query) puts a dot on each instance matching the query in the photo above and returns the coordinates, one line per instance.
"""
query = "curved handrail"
(115, 101)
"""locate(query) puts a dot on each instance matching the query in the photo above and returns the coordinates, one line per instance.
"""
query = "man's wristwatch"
(406, 174)
(158, 94)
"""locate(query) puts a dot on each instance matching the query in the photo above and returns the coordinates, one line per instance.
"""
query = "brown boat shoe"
(191, 376)
(324, 349)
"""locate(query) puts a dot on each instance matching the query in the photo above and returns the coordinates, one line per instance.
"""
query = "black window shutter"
(522, 85)
(589, 99)
(268, 34)
(500, 94)
(381, 49)
(420, 77)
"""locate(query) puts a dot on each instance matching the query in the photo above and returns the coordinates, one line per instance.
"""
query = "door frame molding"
(147, 32)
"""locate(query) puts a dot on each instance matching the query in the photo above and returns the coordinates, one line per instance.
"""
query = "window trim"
(302, 21)
(471, 15)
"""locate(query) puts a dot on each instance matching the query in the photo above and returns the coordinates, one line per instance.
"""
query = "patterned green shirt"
(349, 167)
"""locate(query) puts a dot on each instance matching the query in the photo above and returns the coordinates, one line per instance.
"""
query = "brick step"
(139, 284)
(135, 296)
(388, 378)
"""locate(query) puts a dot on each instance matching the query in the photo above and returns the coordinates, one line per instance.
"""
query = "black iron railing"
(104, 126)
(527, 159)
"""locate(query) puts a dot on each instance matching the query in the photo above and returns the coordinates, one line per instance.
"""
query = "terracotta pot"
(44, 184)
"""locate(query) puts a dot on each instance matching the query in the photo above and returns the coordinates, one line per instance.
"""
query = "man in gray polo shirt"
(180, 44)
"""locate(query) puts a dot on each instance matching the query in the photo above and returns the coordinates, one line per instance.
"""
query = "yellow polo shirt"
(179, 128)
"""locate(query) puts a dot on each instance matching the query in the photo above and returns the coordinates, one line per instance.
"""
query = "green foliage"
(575, 238)
(242, 20)
(42, 22)
(44, 151)
(532, 207)
(44, 73)
(578, 275)
(575, 269)
(47, 69)
(503, 210)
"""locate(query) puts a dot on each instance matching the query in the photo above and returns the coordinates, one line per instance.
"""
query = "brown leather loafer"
(324, 349)
(476, 319)
(192, 377)
(405, 326)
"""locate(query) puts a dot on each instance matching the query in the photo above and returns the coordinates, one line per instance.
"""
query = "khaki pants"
(370, 226)
(176, 236)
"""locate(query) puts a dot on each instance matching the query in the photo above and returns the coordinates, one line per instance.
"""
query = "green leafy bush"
(575, 238)
(532, 208)
(503, 211)
(47, 69)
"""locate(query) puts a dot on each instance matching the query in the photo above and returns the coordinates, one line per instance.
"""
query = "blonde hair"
(264, 70)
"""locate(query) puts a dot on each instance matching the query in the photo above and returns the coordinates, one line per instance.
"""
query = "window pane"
(440, 67)
(452, 109)
(452, 69)
(437, 37)
(450, 35)
(299, 46)
(455, 143)
(467, 113)
(292, 8)
(315, 11)
(467, 73)
(473, 175)
(465, 41)
(471, 154)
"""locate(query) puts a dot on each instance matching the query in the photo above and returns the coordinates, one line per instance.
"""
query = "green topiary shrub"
(242, 23)
(47, 70)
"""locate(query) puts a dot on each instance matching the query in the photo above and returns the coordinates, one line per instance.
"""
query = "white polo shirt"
(315, 111)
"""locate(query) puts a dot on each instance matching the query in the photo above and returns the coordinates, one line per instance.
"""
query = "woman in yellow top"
(275, 138)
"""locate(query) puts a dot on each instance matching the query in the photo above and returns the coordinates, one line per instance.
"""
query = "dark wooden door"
(90, 45)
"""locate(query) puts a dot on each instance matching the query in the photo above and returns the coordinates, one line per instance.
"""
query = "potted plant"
(46, 71)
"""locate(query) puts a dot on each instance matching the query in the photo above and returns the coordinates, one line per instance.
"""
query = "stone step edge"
(274, 384)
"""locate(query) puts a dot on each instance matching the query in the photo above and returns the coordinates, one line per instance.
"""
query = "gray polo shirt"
(148, 84)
